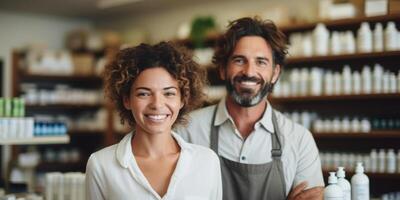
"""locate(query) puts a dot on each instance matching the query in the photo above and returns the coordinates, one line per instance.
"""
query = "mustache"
(246, 78)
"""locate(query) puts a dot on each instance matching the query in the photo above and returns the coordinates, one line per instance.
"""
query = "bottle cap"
(340, 172)
(359, 168)
(332, 178)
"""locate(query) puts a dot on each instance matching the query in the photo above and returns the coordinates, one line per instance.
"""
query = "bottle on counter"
(333, 191)
(359, 184)
(343, 183)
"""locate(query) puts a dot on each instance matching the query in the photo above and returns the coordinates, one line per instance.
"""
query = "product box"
(394, 6)
(376, 7)
(83, 64)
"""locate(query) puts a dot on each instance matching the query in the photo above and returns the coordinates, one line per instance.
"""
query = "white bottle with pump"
(359, 184)
(333, 191)
(343, 183)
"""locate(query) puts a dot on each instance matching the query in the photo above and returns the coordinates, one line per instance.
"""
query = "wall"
(17, 29)
(162, 24)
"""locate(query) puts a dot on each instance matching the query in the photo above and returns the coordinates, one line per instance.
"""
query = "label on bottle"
(360, 192)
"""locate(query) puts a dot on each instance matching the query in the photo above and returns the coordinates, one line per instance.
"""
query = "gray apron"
(252, 181)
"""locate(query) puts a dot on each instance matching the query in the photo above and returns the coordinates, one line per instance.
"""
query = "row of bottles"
(321, 41)
(342, 124)
(67, 186)
(340, 189)
(12, 107)
(384, 161)
(391, 196)
(317, 81)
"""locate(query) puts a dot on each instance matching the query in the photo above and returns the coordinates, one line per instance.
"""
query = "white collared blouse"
(113, 174)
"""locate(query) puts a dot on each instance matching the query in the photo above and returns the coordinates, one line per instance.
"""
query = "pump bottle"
(343, 183)
(333, 191)
(359, 184)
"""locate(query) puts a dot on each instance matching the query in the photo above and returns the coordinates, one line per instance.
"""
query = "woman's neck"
(154, 145)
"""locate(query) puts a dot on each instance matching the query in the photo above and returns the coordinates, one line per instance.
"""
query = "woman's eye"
(170, 94)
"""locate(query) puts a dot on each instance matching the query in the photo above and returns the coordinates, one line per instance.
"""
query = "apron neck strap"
(276, 151)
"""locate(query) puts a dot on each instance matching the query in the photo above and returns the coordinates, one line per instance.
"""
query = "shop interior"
(341, 80)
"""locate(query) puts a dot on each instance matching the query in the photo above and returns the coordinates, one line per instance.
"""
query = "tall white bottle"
(359, 184)
(364, 38)
(343, 183)
(333, 191)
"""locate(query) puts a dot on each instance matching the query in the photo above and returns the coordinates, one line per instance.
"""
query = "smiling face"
(250, 73)
(155, 101)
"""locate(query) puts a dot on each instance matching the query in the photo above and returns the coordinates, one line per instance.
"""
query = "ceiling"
(88, 8)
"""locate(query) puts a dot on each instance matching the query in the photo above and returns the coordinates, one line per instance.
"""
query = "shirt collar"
(124, 152)
(222, 115)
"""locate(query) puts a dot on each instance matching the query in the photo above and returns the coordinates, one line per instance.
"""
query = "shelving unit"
(366, 105)
(36, 140)
(76, 138)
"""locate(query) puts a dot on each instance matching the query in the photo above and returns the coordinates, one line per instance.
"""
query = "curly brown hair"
(121, 73)
(250, 27)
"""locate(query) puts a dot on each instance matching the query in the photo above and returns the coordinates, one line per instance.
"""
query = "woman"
(153, 87)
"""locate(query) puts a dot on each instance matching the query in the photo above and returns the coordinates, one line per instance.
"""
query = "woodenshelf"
(358, 97)
(375, 134)
(344, 57)
(86, 132)
(62, 106)
(339, 23)
(37, 140)
(60, 78)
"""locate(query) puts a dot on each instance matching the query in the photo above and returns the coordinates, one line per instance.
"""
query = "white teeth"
(249, 83)
(157, 117)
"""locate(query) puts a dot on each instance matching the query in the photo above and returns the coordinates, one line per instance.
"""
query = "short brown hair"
(250, 27)
(130, 62)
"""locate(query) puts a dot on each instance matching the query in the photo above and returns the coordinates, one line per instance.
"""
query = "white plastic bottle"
(343, 183)
(320, 40)
(373, 161)
(366, 78)
(364, 38)
(359, 184)
(346, 79)
(378, 37)
(333, 191)
(390, 36)
(391, 161)
(381, 161)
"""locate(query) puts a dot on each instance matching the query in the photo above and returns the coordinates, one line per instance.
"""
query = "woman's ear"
(127, 102)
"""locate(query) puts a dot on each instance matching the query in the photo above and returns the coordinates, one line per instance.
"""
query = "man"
(263, 154)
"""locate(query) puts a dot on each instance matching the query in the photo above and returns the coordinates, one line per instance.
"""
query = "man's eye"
(262, 63)
(238, 61)
(143, 94)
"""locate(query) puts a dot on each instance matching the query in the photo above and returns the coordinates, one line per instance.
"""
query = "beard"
(248, 97)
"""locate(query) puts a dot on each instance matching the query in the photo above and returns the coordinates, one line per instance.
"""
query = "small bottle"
(359, 184)
(336, 125)
(333, 191)
(304, 82)
(391, 161)
(392, 83)
(343, 183)
(386, 82)
(328, 84)
(346, 77)
(378, 37)
(356, 83)
(364, 38)
(320, 40)
(316, 81)
(345, 125)
(373, 161)
(365, 125)
(337, 83)
(294, 82)
(381, 161)
(398, 161)
(366, 80)
(335, 43)
(355, 125)
(391, 36)
(377, 76)
(350, 43)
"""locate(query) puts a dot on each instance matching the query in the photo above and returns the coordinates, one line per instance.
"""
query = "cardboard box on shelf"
(376, 7)
(394, 6)
(83, 64)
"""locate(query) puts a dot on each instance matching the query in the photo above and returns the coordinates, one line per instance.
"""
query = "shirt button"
(243, 158)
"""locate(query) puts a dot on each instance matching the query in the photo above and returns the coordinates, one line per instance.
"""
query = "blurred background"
(341, 80)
